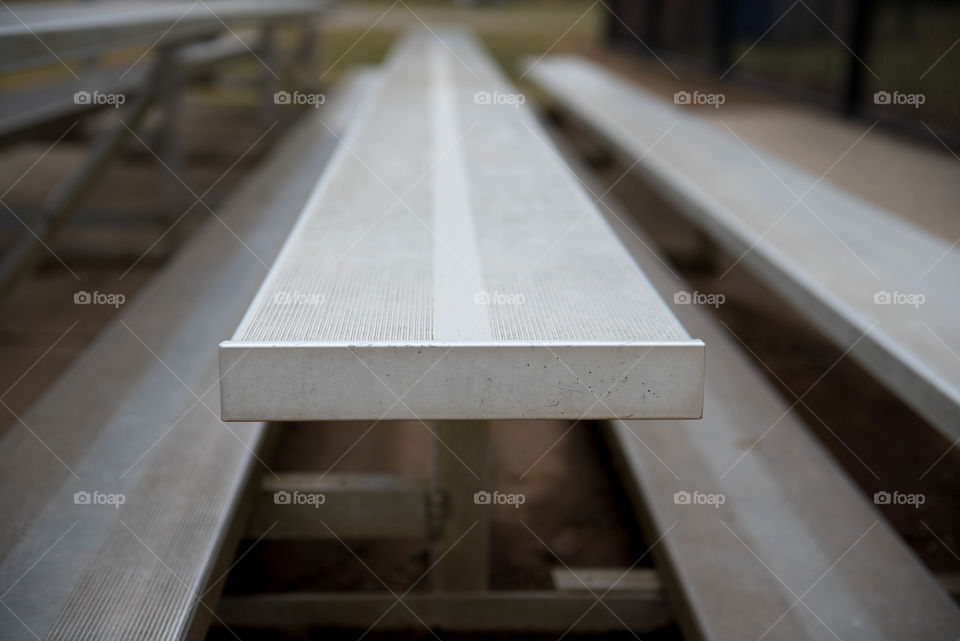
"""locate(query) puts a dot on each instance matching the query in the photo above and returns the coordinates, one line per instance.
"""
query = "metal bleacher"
(47, 33)
(446, 255)
(794, 550)
(449, 268)
(870, 281)
(58, 53)
(422, 248)
(786, 554)
(137, 415)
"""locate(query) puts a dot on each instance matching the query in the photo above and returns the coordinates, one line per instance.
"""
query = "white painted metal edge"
(300, 381)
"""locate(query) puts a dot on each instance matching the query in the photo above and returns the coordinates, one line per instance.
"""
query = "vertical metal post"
(861, 28)
(725, 25)
(461, 469)
(64, 198)
(310, 52)
(169, 82)
(611, 30)
(271, 73)
(654, 24)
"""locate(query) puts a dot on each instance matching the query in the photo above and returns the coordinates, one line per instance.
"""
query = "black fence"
(893, 60)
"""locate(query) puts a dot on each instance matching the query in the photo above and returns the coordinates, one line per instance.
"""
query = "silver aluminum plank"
(864, 276)
(793, 550)
(450, 266)
(46, 33)
(123, 419)
(39, 104)
(791, 523)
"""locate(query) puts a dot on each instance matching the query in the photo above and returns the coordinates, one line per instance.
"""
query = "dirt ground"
(571, 502)
(574, 503)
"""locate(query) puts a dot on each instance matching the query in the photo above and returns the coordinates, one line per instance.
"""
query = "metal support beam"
(600, 580)
(66, 196)
(535, 612)
(309, 53)
(169, 81)
(861, 29)
(350, 506)
(271, 62)
(461, 469)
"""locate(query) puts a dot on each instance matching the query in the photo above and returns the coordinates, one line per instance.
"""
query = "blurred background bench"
(137, 416)
(179, 41)
(880, 288)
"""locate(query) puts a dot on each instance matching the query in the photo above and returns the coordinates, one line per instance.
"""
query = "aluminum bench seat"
(136, 416)
(853, 269)
(201, 55)
(23, 109)
(791, 525)
(450, 266)
(30, 31)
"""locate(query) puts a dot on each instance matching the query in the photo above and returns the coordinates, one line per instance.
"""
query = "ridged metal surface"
(450, 266)
(361, 253)
(31, 32)
(369, 258)
(540, 235)
(146, 576)
(120, 421)
(792, 524)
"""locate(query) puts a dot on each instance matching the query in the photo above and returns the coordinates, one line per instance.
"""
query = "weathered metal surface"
(135, 417)
(450, 266)
(39, 33)
(756, 532)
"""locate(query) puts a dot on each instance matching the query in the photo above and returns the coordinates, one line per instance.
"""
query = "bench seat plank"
(136, 415)
(30, 32)
(20, 110)
(37, 105)
(840, 260)
(449, 266)
(791, 523)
